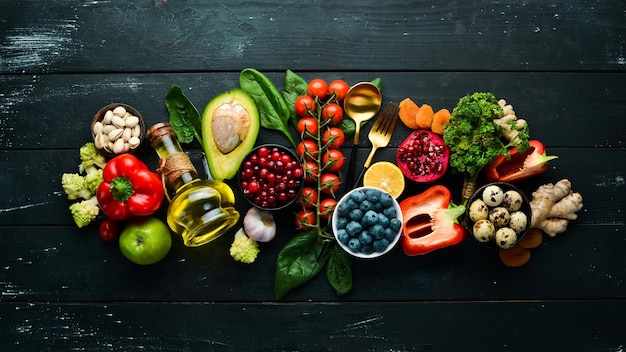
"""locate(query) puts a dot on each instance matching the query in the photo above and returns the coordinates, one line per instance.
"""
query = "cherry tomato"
(334, 137)
(305, 219)
(339, 87)
(317, 88)
(311, 171)
(332, 111)
(333, 160)
(109, 230)
(326, 208)
(330, 183)
(308, 197)
(308, 127)
(305, 104)
(307, 149)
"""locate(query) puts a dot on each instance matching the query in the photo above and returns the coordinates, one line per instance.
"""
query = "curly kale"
(474, 138)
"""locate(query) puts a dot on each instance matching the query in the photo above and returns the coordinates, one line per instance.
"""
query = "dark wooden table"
(561, 64)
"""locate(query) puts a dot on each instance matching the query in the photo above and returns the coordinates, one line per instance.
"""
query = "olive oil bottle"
(200, 210)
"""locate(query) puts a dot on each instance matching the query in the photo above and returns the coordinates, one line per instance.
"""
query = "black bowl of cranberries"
(270, 177)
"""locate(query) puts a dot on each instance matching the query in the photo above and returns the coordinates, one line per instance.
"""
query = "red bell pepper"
(430, 221)
(129, 189)
(519, 166)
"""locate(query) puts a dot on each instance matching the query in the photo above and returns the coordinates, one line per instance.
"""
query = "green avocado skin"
(225, 166)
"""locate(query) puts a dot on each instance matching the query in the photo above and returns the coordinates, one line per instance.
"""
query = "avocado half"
(230, 126)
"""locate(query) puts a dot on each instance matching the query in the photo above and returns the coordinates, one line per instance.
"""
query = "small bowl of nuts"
(117, 129)
(498, 215)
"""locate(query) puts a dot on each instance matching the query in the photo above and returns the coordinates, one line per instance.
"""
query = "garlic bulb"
(259, 225)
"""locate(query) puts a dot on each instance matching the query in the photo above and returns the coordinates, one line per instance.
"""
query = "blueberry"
(390, 212)
(341, 222)
(395, 224)
(354, 244)
(378, 207)
(383, 220)
(343, 236)
(366, 205)
(344, 208)
(367, 249)
(381, 245)
(369, 218)
(353, 228)
(385, 199)
(365, 237)
(390, 234)
(357, 196)
(372, 195)
(352, 204)
(377, 231)
(356, 215)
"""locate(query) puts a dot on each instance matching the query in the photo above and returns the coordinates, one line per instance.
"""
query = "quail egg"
(499, 216)
(518, 221)
(493, 195)
(512, 200)
(484, 231)
(506, 237)
(478, 210)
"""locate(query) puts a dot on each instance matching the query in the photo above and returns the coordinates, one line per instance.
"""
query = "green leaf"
(290, 98)
(378, 82)
(339, 270)
(273, 109)
(184, 117)
(295, 84)
(298, 262)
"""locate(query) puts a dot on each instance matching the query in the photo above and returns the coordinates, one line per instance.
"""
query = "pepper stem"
(121, 189)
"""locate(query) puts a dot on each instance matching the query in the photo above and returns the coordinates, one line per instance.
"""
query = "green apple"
(145, 240)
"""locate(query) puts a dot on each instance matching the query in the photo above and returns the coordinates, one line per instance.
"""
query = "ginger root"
(509, 122)
(553, 206)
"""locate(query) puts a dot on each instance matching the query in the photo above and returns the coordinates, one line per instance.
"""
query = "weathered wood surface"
(561, 65)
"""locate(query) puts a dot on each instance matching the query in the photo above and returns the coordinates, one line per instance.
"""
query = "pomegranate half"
(423, 156)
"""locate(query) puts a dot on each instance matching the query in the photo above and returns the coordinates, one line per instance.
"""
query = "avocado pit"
(230, 125)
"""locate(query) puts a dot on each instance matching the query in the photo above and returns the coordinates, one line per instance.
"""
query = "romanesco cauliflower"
(244, 248)
(85, 212)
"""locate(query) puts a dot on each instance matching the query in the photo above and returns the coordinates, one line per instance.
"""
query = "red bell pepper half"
(519, 166)
(430, 221)
(129, 189)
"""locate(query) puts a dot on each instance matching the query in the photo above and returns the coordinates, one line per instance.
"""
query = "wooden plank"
(73, 36)
(403, 326)
(564, 110)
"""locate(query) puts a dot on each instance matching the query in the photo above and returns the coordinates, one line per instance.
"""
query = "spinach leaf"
(272, 107)
(298, 262)
(295, 86)
(339, 270)
(184, 117)
(378, 82)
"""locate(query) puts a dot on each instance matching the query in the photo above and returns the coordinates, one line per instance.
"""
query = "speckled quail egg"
(506, 237)
(478, 210)
(518, 221)
(499, 216)
(484, 231)
(512, 200)
(493, 195)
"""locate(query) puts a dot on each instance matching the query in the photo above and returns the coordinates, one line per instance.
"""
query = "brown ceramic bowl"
(117, 129)
(496, 216)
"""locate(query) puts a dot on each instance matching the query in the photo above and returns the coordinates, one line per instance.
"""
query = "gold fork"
(380, 134)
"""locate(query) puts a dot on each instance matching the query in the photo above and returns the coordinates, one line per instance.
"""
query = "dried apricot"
(440, 120)
(515, 256)
(407, 112)
(424, 117)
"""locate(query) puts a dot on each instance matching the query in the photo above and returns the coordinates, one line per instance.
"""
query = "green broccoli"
(90, 158)
(85, 212)
(244, 248)
(475, 139)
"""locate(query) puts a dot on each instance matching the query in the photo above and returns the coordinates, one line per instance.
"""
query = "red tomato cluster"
(320, 113)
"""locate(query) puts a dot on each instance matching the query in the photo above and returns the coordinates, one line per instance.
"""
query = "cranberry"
(271, 177)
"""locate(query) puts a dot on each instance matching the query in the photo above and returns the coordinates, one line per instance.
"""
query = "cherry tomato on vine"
(109, 230)
(305, 219)
(332, 111)
(339, 87)
(311, 171)
(307, 149)
(326, 207)
(308, 127)
(333, 160)
(330, 183)
(334, 137)
(317, 88)
(308, 197)
(304, 104)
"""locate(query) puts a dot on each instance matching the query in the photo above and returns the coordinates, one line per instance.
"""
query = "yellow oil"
(201, 211)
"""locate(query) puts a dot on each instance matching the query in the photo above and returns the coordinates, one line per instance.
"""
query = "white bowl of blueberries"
(367, 222)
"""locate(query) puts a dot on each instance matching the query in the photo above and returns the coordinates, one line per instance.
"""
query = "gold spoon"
(362, 102)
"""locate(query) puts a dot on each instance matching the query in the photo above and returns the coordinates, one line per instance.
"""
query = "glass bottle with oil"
(200, 210)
